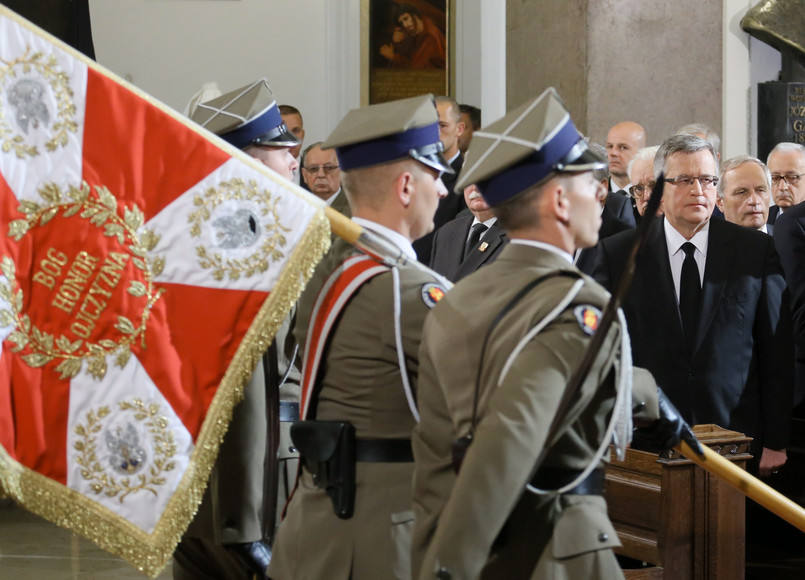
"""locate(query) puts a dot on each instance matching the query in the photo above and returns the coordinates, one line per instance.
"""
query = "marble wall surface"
(657, 63)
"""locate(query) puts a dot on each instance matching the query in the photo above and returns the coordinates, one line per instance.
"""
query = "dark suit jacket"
(789, 239)
(448, 257)
(610, 225)
(740, 374)
(448, 209)
(621, 207)
(774, 213)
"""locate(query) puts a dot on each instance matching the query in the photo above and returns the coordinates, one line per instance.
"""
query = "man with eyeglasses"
(322, 175)
(787, 165)
(706, 311)
(641, 174)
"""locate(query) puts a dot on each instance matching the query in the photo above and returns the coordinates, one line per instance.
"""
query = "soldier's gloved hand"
(667, 431)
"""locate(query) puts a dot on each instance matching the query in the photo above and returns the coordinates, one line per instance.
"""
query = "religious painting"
(408, 48)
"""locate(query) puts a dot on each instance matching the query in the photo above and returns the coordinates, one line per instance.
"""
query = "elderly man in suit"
(361, 324)
(468, 242)
(744, 192)
(641, 173)
(787, 166)
(706, 311)
(322, 176)
(493, 369)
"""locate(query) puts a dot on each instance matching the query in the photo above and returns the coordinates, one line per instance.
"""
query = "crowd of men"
(447, 431)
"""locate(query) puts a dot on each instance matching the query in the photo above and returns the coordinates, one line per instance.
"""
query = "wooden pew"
(681, 521)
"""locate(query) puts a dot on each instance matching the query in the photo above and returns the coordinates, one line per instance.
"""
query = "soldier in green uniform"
(493, 369)
(361, 323)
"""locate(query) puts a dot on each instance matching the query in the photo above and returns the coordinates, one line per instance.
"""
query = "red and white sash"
(336, 292)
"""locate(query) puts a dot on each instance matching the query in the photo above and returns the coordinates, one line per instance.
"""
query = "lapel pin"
(483, 247)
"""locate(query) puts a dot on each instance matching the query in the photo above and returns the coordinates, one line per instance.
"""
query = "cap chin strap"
(431, 155)
(576, 152)
(265, 139)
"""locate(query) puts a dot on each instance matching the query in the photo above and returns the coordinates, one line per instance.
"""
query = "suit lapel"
(720, 255)
(658, 283)
(494, 238)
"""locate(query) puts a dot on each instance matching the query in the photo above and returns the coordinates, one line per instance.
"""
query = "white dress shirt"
(676, 255)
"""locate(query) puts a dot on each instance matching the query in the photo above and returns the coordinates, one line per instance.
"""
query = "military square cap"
(387, 132)
(525, 147)
(246, 116)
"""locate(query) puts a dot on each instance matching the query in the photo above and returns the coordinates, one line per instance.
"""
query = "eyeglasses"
(790, 178)
(642, 189)
(328, 169)
(687, 181)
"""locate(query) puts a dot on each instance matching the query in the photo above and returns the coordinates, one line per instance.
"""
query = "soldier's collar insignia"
(432, 293)
(588, 317)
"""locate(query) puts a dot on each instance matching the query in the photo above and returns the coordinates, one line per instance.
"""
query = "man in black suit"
(450, 128)
(789, 238)
(623, 141)
(322, 175)
(456, 251)
(787, 166)
(723, 352)
(744, 192)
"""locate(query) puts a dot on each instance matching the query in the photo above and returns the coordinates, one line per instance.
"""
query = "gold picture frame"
(406, 49)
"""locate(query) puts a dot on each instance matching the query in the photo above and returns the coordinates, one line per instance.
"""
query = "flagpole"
(373, 245)
(750, 486)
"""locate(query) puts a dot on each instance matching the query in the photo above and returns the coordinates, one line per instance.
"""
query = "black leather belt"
(383, 450)
(289, 411)
(551, 479)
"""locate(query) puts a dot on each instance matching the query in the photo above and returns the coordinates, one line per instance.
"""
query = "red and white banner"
(144, 267)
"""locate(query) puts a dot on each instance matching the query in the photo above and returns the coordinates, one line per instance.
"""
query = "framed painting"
(406, 48)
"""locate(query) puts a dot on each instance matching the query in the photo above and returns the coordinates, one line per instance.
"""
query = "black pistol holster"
(327, 450)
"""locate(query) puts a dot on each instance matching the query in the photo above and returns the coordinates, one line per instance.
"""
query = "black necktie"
(690, 290)
(475, 237)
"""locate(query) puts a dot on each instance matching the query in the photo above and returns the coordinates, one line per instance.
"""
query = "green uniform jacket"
(361, 384)
(458, 519)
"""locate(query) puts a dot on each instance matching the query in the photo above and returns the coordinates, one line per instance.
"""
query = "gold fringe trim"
(150, 553)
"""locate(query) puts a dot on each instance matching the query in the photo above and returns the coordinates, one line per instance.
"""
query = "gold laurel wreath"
(101, 211)
(59, 83)
(163, 443)
(238, 189)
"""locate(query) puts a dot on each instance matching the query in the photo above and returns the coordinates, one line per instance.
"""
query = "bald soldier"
(361, 324)
(496, 358)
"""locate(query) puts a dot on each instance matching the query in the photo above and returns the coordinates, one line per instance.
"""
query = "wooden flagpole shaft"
(371, 244)
(747, 484)
(342, 226)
